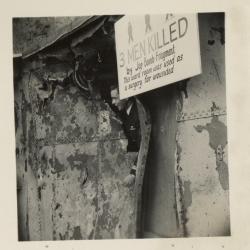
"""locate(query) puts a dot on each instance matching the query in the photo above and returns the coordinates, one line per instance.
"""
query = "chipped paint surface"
(71, 162)
(206, 201)
(217, 141)
(60, 121)
(71, 151)
(115, 201)
(201, 138)
(104, 121)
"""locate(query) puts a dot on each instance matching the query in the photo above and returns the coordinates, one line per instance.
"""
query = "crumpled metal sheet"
(89, 31)
(32, 34)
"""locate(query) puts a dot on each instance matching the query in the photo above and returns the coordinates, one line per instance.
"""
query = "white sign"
(156, 50)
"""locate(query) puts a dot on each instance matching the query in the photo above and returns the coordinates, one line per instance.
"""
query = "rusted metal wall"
(201, 138)
(71, 161)
(71, 157)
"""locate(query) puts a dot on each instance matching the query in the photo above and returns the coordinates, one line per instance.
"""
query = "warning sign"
(156, 50)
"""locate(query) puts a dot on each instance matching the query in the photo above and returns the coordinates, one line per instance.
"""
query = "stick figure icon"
(130, 32)
(147, 22)
(169, 16)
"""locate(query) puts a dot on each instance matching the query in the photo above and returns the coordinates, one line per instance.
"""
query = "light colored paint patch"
(208, 214)
(104, 123)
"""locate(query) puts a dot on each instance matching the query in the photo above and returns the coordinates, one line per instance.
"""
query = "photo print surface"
(121, 126)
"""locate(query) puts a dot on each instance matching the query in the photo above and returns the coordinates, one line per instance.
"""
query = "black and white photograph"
(121, 126)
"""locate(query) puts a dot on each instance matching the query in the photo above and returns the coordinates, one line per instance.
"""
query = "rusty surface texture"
(71, 161)
(201, 139)
(71, 150)
(74, 189)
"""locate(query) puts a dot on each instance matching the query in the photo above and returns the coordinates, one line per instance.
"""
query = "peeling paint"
(217, 131)
(201, 161)
(104, 123)
(222, 170)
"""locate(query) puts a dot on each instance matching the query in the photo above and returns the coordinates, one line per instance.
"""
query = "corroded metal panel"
(201, 140)
(116, 218)
(75, 191)
(70, 134)
(202, 176)
(62, 115)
